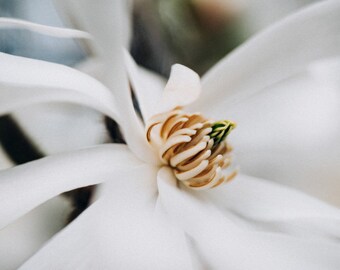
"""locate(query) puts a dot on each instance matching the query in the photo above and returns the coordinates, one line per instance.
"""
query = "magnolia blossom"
(282, 90)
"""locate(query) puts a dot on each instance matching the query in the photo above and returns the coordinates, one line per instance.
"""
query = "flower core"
(193, 146)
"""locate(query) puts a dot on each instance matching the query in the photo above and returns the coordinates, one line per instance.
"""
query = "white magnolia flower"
(282, 90)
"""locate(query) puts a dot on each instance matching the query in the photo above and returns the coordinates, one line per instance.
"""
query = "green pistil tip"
(220, 130)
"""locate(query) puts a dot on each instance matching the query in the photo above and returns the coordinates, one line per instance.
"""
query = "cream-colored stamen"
(193, 146)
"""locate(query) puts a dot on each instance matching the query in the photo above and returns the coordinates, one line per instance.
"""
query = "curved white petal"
(259, 199)
(182, 88)
(223, 239)
(276, 208)
(121, 230)
(25, 82)
(106, 22)
(147, 86)
(289, 132)
(273, 55)
(26, 186)
(21, 239)
(43, 29)
(55, 127)
(20, 74)
(18, 96)
(130, 124)
(36, 121)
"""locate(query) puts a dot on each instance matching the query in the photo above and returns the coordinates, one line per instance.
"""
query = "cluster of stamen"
(193, 146)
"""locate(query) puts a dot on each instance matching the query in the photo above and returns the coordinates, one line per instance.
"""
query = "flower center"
(193, 146)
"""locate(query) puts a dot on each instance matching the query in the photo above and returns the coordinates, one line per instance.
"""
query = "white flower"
(280, 88)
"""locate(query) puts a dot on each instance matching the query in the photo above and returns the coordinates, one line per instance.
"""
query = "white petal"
(120, 231)
(21, 239)
(57, 128)
(15, 97)
(277, 208)
(147, 86)
(23, 74)
(182, 88)
(25, 82)
(101, 19)
(260, 200)
(289, 133)
(106, 22)
(43, 29)
(26, 186)
(223, 240)
(274, 55)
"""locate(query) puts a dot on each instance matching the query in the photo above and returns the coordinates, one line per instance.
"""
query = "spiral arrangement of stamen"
(184, 142)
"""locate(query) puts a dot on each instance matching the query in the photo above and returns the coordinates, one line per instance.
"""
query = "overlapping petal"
(22, 238)
(40, 127)
(289, 133)
(274, 227)
(277, 208)
(147, 86)
(113, 75)
(57, 128)
(224, 239)
(105, 21)
(26, 186)
(287, 119)
(123, 231)
(25, 81)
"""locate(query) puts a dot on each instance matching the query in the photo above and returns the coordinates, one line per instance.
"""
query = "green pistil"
(220, 130)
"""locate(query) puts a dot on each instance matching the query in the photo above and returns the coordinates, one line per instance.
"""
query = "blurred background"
(196, 33)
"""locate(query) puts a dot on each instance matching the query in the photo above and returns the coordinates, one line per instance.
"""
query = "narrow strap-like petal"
(25, 82)
(15, 97)
(105, 21)
(24, 187)
(43, 29)
(147, 86)
(29, 91)
(23, 74)
(104, 14)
